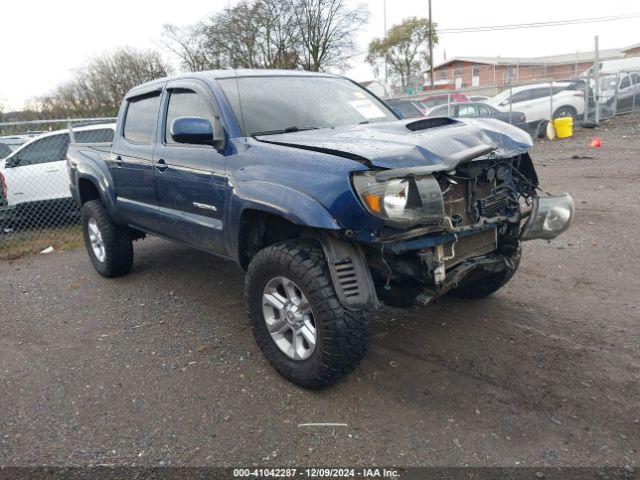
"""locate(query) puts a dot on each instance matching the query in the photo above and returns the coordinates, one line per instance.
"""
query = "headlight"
(401, 202)
(549, 217)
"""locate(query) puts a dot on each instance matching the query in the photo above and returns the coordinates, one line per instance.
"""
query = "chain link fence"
(526, 96)
(37, 212)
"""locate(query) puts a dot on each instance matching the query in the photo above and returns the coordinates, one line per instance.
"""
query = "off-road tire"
(481, 284)
(117, 241)
(342, 335)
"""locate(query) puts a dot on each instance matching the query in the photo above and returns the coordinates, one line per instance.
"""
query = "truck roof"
(210, 75)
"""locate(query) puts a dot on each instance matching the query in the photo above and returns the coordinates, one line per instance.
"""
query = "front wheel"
(480, 283)
(109, 246)
(566, 112)
(298, 322)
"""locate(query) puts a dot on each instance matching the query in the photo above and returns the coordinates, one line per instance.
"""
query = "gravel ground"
(160, 368)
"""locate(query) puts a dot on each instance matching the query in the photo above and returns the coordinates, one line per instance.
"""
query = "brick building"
(466, 72)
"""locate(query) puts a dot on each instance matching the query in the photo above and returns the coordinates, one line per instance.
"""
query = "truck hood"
(409, 143)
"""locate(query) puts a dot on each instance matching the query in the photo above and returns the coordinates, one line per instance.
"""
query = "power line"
(515, 26)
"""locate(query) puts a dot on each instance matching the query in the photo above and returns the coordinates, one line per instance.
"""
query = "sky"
(43, 41)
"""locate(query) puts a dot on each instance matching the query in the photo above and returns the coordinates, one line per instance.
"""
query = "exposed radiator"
(472, 246)
(492, 205)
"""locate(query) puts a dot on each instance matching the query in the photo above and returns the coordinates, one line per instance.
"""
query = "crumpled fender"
(288, 203)
(291, 204)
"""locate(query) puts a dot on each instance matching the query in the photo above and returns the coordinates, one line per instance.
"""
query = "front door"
(191, 180)
(37, 172)
(130, 162)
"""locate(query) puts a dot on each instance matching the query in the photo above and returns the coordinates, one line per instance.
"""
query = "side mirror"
(192, 130)
(504, 103)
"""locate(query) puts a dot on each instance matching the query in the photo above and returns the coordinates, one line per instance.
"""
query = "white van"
(612, 67)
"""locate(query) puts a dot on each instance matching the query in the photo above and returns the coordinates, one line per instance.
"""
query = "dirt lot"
(160, 368)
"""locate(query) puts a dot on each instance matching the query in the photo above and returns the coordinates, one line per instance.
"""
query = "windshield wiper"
(293, 128)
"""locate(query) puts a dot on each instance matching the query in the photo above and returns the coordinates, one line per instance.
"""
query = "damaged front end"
(445, 222)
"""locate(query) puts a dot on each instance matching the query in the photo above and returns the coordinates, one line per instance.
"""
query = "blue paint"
(197, 194)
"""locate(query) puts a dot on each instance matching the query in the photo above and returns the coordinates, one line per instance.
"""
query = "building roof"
(610, 54)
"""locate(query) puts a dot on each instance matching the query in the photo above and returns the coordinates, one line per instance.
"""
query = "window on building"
(510, 75)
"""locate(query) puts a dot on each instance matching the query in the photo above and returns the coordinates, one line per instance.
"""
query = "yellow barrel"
(563, 127)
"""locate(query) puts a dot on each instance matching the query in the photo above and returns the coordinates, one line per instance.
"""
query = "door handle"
(161, 165)
(119, 160)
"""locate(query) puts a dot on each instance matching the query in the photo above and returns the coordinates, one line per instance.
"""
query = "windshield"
(431, 102)
(290, 103)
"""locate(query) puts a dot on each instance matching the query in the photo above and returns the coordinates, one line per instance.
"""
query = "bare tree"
(287, 34)
(190, 45)
(98, 87)
(327, 29)
(405, 50)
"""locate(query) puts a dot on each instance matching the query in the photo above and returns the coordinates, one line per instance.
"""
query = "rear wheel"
(297, 321)
(109, 246)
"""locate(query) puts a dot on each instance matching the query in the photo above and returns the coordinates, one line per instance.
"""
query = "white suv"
(35, 175)
(537, 101)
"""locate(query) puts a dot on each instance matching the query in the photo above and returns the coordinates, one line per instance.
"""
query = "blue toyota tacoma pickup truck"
(331, 203)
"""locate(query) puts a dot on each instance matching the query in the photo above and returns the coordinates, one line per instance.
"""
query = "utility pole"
(386, 70)
(596, 74)
(430, 48)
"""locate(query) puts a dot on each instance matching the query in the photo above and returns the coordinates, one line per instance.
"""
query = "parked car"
(406, 108)
(478, 98)
(14, 141)
(331, 210)
(614, 67)
(442, 99)
(622, 91)
(535, 101)
(34, 182)
(479, 110)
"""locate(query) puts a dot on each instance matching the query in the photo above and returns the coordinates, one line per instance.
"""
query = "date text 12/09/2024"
(315, 473)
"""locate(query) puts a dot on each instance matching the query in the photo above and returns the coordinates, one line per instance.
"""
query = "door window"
(538, 93)
(484, 111)
(468, 111)
(185, 103)
(625, 83)
(100, 135)
(45, 150)
(522, 96)
(141, 118)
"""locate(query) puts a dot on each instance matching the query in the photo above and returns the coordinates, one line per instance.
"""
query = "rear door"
(625, 94)
(38, 172)
(130, 163)
(191, 180)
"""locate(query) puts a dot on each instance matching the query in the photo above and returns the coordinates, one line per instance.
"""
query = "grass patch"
(23, 243)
